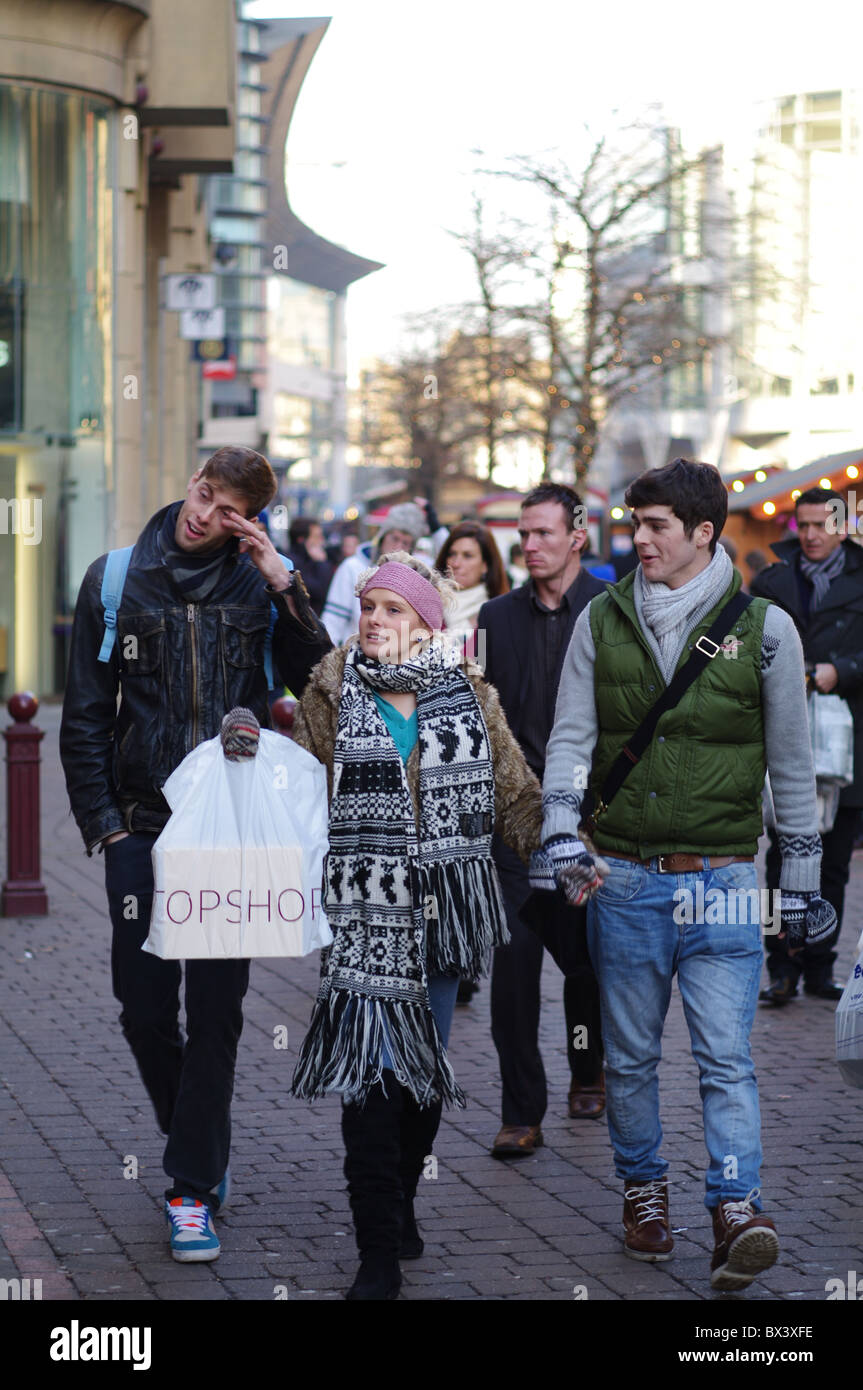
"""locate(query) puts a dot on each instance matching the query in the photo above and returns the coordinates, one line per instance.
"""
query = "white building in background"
(283, 287)
(788, 387)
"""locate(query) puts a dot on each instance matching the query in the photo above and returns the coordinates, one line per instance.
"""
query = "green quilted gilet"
(697, 787)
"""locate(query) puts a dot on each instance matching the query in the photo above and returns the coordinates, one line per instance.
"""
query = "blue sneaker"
(192, 1233)
(223, 1191)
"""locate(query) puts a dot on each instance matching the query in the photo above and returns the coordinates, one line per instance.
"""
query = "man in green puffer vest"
(678, 893)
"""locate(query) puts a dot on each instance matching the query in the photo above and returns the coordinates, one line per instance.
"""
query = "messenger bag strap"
(706, 648)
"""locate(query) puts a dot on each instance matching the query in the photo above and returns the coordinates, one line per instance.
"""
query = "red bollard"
(283, 715)
(23, 893)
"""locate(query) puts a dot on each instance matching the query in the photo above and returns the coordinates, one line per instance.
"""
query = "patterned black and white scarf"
(402, 905)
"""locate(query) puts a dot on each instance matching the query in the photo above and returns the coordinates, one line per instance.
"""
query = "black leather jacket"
(189, 663)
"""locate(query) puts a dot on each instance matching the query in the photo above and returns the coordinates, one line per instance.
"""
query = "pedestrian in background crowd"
(470, 555)
(421, 768)
(526, 635)
(730, 548)
(515, 567)
(757, 561)
(308, 554)
(819, 582)
(350, 544)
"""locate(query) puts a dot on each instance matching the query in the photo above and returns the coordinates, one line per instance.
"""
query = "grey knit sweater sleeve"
(789, 755)
(570, 748)
(789, 758)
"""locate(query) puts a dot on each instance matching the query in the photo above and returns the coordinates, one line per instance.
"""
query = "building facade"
(782, 291)
(283, 287)
(105, 130)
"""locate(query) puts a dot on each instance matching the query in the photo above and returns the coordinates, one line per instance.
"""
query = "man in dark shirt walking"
(526, 634)
(819, 582)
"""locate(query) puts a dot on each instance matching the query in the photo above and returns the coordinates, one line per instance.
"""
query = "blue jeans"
(638, 936)
(442, 992)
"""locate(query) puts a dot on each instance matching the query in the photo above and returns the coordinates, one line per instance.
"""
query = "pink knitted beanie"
(410, 585)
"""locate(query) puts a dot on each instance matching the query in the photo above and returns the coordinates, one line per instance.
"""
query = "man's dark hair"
(695, 492)
(556, 492)
(814, 495)
(245, 472)
(300, 528)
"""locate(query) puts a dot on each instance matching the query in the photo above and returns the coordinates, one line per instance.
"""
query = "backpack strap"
(268, 644)
(113, 582)
(706, 648)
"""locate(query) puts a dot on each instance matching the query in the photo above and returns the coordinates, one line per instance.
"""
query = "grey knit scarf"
(667, 616)
(821, 573)
(195, 575)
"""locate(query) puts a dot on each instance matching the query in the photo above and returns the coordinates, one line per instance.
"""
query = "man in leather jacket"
(190, 638)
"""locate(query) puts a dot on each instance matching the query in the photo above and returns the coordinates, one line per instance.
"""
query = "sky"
(400, 96)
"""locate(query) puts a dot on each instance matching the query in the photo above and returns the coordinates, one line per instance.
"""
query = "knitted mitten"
(806, 918)
(567, 864)
(240, 733)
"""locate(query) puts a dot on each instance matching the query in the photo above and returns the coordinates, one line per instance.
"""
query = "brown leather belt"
(684, 863)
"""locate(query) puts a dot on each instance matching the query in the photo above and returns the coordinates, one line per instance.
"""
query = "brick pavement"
(544, 1228)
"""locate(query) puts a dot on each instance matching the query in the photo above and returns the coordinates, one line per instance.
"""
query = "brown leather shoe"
(587, 1102)
(516, 1141)
(746, 1244)
(645, 1217)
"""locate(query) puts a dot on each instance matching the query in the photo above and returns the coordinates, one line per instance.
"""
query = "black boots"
(372, 1155)
(387, 1141)
(419, 1126)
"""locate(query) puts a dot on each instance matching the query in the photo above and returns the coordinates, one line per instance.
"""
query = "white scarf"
(461, 618)
(667, 616)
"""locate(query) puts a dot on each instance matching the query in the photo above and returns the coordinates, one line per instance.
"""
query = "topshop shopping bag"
(238, 867)
(849, 1026)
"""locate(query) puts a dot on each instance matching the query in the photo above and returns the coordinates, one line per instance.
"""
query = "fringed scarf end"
(343, 1049)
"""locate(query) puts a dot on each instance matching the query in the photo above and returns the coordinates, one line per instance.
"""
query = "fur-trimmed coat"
(517, 793)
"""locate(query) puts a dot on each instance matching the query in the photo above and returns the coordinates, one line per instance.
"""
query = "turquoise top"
(405, 732)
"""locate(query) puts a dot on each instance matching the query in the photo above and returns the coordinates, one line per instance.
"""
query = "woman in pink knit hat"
(422, 769)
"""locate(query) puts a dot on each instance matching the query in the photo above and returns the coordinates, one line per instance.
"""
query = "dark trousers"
(191, 1083)
(815, 963)
(515, 1002)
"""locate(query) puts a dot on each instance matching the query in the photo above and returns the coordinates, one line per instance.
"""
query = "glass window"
(56, 302)
(240, 291)
(823, 132)
(235, 229)
(817, 102)
(251, 132)
(300, 323)
(233, 193)
(248, 102)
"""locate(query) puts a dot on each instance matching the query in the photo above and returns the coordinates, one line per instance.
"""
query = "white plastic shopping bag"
(831, 730)
(238, 867)
(849, 1026)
